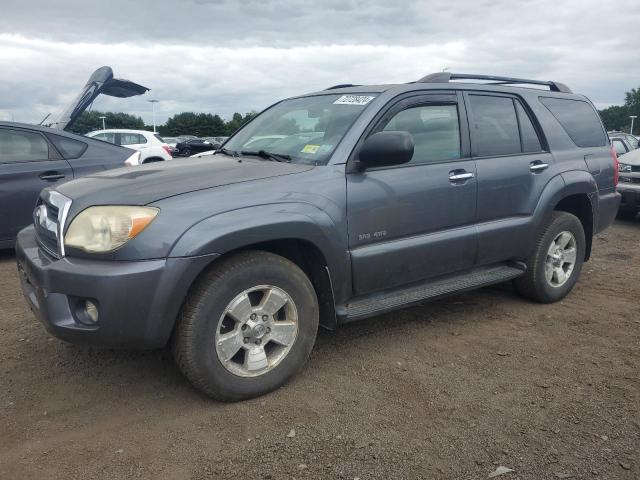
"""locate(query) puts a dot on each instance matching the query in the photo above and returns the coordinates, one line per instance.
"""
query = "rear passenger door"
(28, 164)
(513, 167)
(132, 140)
(415, 221)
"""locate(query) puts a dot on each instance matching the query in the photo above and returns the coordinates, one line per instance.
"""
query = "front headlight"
(624, 167)
(106, 228)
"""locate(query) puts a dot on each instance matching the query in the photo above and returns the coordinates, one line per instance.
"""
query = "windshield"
(306, 129)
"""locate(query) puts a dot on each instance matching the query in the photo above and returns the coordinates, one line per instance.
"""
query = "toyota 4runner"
(324, 209)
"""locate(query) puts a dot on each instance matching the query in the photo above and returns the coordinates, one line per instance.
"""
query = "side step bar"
(391, 300)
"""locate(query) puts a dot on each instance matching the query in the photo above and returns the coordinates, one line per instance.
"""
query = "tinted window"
(435, 131)
(579, 120)
(158, 137)
(528, 134)
(619, 146)
(494, 126)
(106, 137)
(22, 146)
(131, 139)
(68, 147)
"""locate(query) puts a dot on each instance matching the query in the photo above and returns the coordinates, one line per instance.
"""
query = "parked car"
(151, 146)
(620, 145)
(188, 147)
(629, 186)
(631, 140)
(405, 193)
(33, 157)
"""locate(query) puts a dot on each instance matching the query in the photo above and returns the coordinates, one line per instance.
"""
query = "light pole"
(102, 118)
(153, 109)
(632, 117)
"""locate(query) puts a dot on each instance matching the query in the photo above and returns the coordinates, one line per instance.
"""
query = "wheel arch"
(579, 204)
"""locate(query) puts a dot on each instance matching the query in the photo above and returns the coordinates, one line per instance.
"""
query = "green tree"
(191, 123)
(89, 121)
(617, 117)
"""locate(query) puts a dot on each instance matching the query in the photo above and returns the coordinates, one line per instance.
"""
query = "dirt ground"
(451, 389)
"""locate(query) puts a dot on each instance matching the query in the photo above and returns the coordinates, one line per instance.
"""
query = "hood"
(631, 158)
(151, 182)
(100, 82)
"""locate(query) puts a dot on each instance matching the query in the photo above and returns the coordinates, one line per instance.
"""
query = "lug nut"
(268, 329)
(253, 316)
(244, 327)
(246, 339)
(258, 342)
(265, 318)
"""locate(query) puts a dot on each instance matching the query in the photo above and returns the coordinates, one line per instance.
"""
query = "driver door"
(416, 221)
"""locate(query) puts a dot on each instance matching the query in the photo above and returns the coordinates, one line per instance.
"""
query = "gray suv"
(324, 209)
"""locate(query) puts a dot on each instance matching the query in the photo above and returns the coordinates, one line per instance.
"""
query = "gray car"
(629, 186)
(359, 200)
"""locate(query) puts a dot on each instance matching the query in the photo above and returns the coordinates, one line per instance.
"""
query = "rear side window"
(68, 147)
(131, 139)
(579, 120)
(22, 146)
(619, 146)
(494, 126)
(435, 131)
(158, 137)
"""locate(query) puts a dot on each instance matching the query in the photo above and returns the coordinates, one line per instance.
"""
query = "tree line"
(185, 123)
(617, 117)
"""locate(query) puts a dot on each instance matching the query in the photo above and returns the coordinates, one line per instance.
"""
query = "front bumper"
(630, 196)
(138, 302)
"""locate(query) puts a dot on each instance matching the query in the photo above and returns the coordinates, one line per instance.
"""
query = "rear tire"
(229, 344)
(554, 266)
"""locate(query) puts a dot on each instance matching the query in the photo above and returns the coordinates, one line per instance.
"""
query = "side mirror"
(386, 148)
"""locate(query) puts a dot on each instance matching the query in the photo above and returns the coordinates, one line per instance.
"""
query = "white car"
(151, 146)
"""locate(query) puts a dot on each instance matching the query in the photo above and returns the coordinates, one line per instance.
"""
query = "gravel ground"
(451, 389)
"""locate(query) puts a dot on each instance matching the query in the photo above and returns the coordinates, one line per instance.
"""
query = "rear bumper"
(607, 210)
(630, 193)
(138, 302)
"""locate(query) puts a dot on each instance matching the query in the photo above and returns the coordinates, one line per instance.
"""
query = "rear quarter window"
(68, 147)
(579, 120)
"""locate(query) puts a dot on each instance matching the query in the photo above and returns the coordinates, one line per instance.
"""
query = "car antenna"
(42, 121)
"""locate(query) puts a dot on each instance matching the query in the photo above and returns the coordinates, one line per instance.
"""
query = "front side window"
(435, 130)
(106, 137)
(22, 146)
(306, 129)
(494, 126)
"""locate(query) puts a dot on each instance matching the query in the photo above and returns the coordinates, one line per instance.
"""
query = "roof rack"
(446, 77)
(341, 85)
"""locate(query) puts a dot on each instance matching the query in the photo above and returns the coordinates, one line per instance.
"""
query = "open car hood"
(100, 82)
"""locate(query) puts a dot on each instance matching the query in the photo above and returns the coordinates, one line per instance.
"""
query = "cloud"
(226, 56)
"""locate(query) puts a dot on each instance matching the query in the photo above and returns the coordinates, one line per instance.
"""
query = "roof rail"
(446, 77)
(341, 85)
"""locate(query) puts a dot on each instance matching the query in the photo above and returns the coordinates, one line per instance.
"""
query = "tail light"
(167, 149)
(616, 166)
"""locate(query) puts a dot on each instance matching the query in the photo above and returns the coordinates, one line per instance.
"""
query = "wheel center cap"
(259, 330)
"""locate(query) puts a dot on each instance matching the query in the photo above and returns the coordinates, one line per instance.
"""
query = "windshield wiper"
(227, 152)
(276, 157)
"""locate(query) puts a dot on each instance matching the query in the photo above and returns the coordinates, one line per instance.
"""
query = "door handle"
(459, 176)
(51, 176)
(538, 166)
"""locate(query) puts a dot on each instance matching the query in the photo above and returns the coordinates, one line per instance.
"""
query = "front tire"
(554, 266)
(247, 326)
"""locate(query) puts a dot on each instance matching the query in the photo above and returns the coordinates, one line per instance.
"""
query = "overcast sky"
(224, 56)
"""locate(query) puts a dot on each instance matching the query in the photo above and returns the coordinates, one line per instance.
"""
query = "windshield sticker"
(310, 148)
(354, 100)
(325, 148)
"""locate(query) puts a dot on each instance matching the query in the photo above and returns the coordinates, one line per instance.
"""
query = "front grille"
(50, 213)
